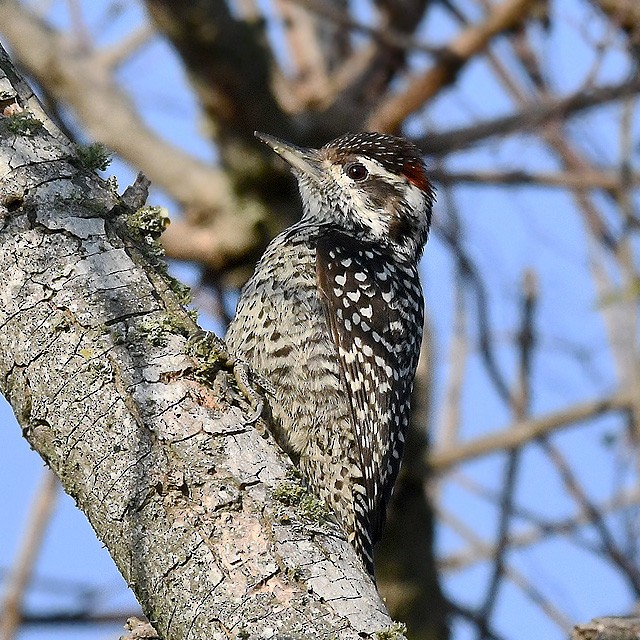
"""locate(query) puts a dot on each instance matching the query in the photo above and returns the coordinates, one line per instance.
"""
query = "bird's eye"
(356, 171)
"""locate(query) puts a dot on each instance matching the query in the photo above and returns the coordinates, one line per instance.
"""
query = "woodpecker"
(332, 317)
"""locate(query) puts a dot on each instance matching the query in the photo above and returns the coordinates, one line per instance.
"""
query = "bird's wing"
(374, 309)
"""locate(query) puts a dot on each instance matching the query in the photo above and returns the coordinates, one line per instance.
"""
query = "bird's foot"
(212, 353)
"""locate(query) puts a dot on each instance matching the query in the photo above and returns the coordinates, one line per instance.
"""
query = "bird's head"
(371, 185)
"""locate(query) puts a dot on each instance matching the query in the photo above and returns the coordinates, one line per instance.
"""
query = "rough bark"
(172, 478)
(608, 628)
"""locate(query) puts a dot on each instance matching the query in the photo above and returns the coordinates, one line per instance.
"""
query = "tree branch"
(20, 575)
(529, 118)
(626, 15)
(391, 113)
(519, 178)
(174, 481)
(539, 531)
(388, 36)
(608, 628)
(84, 81)
(521, 433)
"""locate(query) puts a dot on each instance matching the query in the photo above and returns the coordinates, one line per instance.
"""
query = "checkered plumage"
(332, 317)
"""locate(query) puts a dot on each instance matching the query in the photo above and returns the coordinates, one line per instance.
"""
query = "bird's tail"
(362, 540)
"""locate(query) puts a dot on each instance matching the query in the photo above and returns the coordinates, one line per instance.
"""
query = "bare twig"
(18, 578)
(467, 613)
(520, 409)
(391, 113)
(563, 179)
(78, 618)
(386, 36)
(528, 430)
(472, 278)
(628, 567)
(540, 529)
(528, 118)
(117, 54)
(447, 431)
(481, 621)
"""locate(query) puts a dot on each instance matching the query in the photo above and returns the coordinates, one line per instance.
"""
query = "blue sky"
(506, 231)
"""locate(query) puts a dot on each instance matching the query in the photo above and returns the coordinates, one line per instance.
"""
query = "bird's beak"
(303, 161)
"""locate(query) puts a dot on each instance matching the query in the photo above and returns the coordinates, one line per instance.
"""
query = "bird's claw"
(210, 349)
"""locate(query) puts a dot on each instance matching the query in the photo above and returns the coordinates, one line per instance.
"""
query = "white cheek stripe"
(414, 197)
(376, 169)
(376, 220)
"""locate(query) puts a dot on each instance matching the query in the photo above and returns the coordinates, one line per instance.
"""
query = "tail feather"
(362, 541)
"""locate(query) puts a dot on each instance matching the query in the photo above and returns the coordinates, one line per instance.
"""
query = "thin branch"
(530, 117)
(552, 134)
(528, 430)
(78, 618)
(563, 179)
(20, 575)
(511, 572)
(533, 594)
(628, 566)
(626, 15)
(467, 613)
(540, 530)
(448, 428)
(449, 423)
(389, 37)
(116, 55)
(571, 158)
(476, 285)
(520, 409)
(393, 111)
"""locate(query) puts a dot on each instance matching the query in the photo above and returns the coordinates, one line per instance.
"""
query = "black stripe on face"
(381, 194)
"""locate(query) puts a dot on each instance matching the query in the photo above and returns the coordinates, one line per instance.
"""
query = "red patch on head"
(417, 176)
